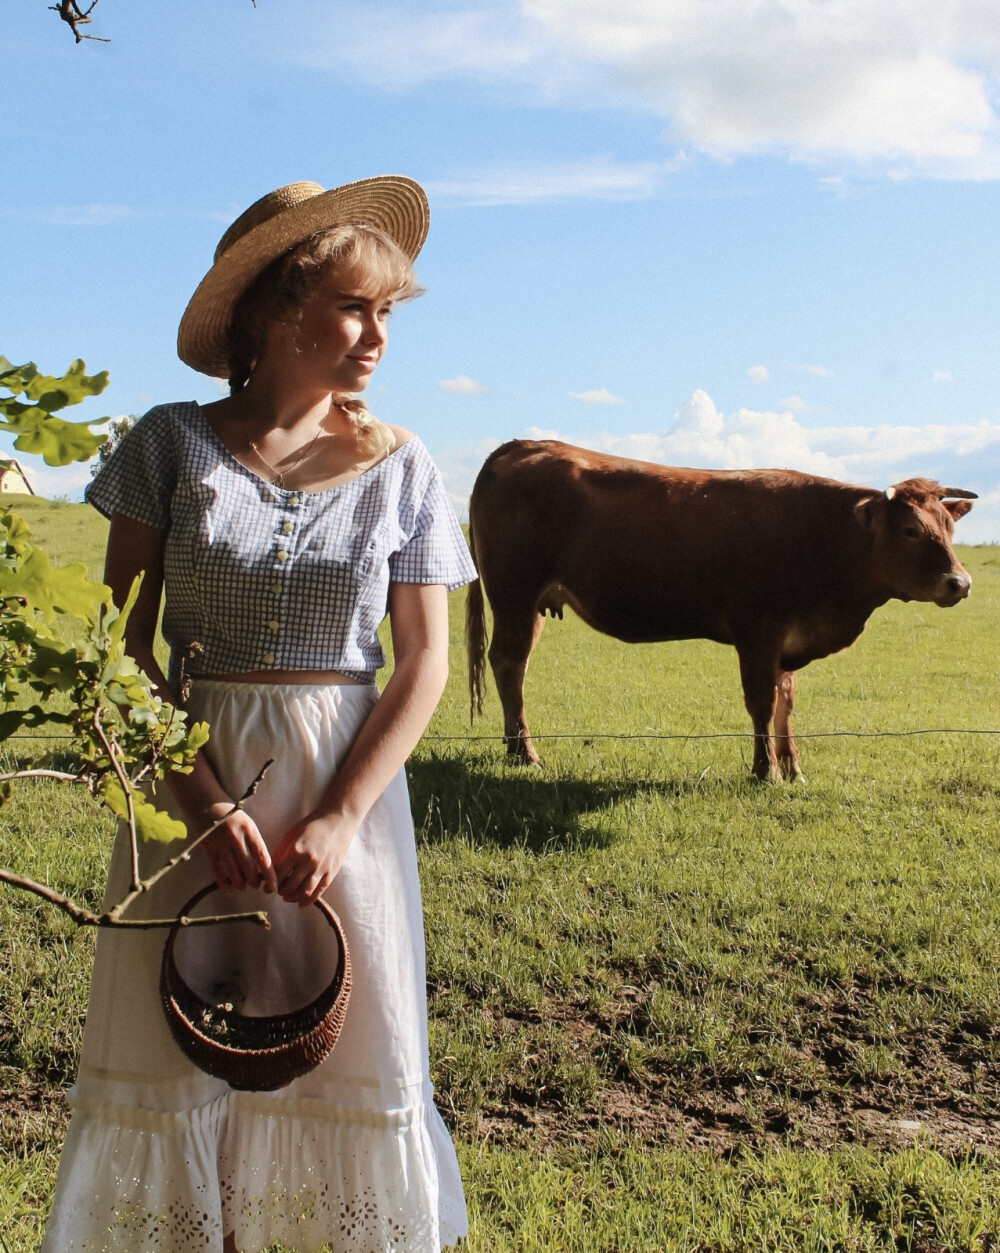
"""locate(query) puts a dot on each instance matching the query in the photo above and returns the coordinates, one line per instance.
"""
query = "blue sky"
(742, 233)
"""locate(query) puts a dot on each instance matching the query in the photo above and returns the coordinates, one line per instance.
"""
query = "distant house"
(13, 477)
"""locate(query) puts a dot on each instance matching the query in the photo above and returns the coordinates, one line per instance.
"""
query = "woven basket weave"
(268, 1052)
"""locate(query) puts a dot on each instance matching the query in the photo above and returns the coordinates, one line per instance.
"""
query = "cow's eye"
(911, 532)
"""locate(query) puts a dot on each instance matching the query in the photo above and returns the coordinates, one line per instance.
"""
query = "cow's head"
(911, 525)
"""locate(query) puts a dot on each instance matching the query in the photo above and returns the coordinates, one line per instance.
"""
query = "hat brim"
(395, 205)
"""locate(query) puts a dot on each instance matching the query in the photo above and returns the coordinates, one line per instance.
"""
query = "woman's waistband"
(285, 690)
(287, 678)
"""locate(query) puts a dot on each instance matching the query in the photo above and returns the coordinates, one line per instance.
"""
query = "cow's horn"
(889, 493)
(957, 493)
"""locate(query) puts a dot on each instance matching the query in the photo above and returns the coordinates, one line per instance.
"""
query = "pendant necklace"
(279, 475)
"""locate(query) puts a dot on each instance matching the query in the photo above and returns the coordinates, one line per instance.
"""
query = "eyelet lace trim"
(132, 1181)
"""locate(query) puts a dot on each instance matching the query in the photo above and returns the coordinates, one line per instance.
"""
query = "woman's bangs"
(373, 262)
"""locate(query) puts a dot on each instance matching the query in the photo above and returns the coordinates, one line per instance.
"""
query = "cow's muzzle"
(956, 588)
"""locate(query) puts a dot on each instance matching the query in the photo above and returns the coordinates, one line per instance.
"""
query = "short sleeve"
(435, 550)
(139, 477)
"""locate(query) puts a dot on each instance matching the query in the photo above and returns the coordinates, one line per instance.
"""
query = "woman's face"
(340, 333)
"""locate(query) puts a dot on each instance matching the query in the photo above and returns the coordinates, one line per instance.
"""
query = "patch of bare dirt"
(723, 1126)
(32, 1114)
(944, 1093)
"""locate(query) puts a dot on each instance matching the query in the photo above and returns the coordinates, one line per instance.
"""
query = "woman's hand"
(310, 855)
(237, 853)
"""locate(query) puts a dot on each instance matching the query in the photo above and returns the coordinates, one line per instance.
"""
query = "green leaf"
(58, 441)
(150, 823)
(54, 667)
(74, 386)
(17, 530)
(54, 589)
(117, 624)
(15, 377)
(13, 408)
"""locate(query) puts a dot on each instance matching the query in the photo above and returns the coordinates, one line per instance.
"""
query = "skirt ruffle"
(135, 1179)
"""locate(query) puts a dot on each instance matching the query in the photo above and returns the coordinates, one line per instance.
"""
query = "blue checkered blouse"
(265, 578)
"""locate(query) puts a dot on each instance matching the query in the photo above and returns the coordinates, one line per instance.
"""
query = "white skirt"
(162, 1158)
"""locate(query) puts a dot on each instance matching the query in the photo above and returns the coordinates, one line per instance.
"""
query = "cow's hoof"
(791, 772)
(518, 755)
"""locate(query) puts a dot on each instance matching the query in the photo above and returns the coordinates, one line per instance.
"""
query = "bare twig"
(60, 775)
(75, 17)
(146, 884)
(82, 916)
(87, 918)
(113, 917)
(126, 787)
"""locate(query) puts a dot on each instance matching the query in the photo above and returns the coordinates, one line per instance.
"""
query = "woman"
(280, 523)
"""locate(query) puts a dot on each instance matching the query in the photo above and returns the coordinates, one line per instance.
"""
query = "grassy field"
(671, 1009)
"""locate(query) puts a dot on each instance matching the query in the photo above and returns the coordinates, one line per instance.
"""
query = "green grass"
(671, 1009)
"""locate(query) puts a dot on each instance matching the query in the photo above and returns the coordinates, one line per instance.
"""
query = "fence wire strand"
(588, 736)
(722, 735)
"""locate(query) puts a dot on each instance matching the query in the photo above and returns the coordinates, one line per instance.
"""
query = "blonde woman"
(280, 525)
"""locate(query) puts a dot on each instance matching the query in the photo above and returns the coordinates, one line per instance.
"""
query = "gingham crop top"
(265, 578)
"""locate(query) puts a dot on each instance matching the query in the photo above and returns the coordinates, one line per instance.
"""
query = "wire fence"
(720, 735)
(588, 736)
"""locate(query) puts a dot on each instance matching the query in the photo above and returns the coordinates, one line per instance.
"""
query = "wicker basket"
(266, 1053)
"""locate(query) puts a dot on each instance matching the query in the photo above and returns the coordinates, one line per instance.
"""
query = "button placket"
(282, 553)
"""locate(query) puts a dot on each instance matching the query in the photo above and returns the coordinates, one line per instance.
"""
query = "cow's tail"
(475, 636)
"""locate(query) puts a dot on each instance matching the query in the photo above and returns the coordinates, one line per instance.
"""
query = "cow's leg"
(514, 638)
(759, 672)
(788, 753)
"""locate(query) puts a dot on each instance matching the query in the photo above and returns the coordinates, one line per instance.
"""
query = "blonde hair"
(362, 255)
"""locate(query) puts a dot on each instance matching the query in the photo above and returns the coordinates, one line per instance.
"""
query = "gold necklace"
(279, 475)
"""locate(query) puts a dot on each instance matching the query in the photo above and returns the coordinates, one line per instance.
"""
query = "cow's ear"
(870, 509)
(957, 508)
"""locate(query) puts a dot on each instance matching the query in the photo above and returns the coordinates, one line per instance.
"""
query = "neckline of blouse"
(292, 491)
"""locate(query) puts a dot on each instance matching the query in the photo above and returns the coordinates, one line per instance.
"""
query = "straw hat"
(278, 221)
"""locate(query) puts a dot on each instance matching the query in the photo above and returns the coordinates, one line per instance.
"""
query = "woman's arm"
(236, 851)
(314, 849)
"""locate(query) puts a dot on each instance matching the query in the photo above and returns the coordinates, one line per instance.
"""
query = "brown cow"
(786, 567)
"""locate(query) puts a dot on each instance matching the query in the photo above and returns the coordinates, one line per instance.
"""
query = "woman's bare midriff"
(332, 678)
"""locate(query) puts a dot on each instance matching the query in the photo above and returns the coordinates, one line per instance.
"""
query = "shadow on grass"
(508, 806)
(475, 797)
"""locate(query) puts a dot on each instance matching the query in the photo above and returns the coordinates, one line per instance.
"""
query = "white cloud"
(795, 403)
(942, 376)
(462, 385)
(596, 179)
(820, 371)
(598, 396)
(398, 48)
(907, 82)
(700, 435)
(899, 86)
(84, 215)
(459, 467)
(759, 374)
